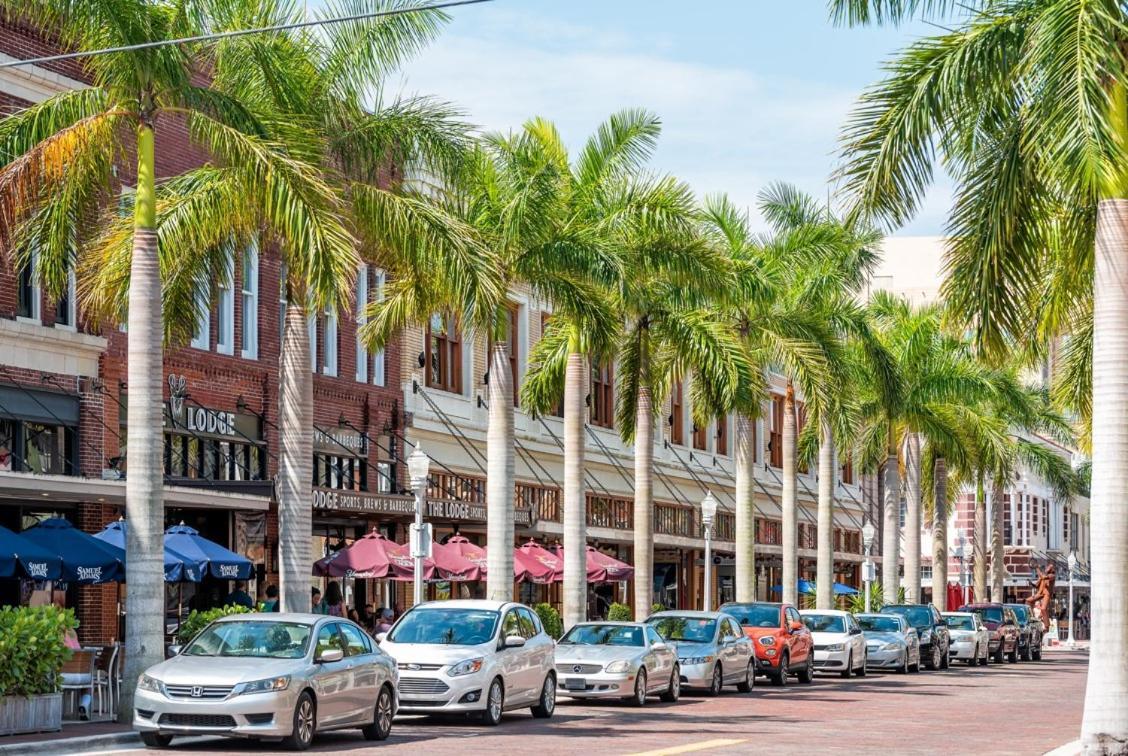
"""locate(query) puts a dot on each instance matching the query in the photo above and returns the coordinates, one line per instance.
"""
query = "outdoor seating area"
(92, 683)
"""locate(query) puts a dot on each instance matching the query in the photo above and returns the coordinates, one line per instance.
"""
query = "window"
(700, 432)
(356, 644)
(329, 348)
(677, 413)
(848, 471)
(443, 357)
(225, 312)
(722, 434)
(328, 638)
(528, 624)
(311, 327)
(187, 456)
(343, 472)
(250, 301)
(603, 395)
(282, 303)
(511, 625)
(202, 337)
(28, 294)
(775, 437)
(48, 449)
(65, 308)
(1008, 521)
(379, 278)
(361, 304)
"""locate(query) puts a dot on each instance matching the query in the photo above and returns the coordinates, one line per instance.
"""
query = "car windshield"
(754, 615)
(960, 623)
(825, 623)
(692, 629)
(989, 614)
(251, 638)
(445, 626)
(1020, 613)
(880, 624)
(604, 635)
(917, 616)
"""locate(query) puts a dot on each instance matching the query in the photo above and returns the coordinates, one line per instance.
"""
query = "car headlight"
(269, 685)
(467, 667)
(691, 660)
(835, 647)
(890, 647)
(767, 640)
(925, 633)
(151, 684)
(618, 667)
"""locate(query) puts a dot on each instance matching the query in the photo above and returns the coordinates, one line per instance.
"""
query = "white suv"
(478, 657)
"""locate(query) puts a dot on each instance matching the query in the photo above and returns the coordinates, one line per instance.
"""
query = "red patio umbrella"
(602, 568)
(472, 552)
(534, 563)
(372, 556)
(450, 563)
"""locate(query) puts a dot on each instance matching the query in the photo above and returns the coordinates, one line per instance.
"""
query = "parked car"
(1002, 627)
(891, 643)
(970, 641)
(282, 676)
(781, 640)
(476, 657)
(840, 645)
(931, 629)
(1030, 630)
(617, 660)
(712, 651)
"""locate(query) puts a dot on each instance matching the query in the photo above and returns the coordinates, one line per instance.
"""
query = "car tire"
(999, 654)
(946, 659)
(382, 716)
(1012, 657)
(156, 740)
(745, 686)
(904, 668)
(305, 724)
(849, 671)
(546, 704)
(780, 677)
(933, 661)
(807, 674)
(495, 703)
(1036, 654)
(862, 669)
(983, 660)
(1026, 654)
(716, 683)
(638, 698)
(673, 691)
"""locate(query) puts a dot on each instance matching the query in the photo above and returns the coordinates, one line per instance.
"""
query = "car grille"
(206, 692)
(821, 648)
(197, 720)
(579, 669)
(420, 667)
(421, 686)
(421, 702)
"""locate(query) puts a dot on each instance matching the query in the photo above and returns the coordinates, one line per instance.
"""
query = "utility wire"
(239, 33)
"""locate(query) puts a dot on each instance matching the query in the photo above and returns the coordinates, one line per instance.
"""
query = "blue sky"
(749, 92)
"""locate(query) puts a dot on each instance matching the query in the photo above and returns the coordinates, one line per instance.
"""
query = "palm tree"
(58, 161)
(1025, 103)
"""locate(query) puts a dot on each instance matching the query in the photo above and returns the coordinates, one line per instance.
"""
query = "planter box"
(33, 714)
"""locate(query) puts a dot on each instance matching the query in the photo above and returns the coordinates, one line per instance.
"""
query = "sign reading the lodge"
(196, 420)
(340, 442)
(364, 502)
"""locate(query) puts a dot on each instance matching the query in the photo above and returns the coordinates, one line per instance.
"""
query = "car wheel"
(305, 724)
(999, 654)
(807, 675)
(546, 704)
(862, 669)
(933, 661)
(780, 678)
(745, 686)
(673, 691)
(945, 659)
(1036, 654)
(1026, 652)
(986, 655)
(1012, 657)
(716, 683)
(381, 726)
(495, 703)
(904, 668)
(638, 698)
(156, 740)
(846, 673)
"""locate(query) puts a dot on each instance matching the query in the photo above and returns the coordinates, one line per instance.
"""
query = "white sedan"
(840, 645)
(970, 640)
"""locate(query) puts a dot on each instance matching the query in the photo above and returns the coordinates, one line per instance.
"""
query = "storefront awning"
(48, 489)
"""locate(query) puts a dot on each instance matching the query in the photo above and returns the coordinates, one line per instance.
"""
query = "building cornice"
(51, 350)
(33, 83)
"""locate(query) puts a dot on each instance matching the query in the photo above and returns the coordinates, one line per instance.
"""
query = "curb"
(1069, 749)
(72, 745)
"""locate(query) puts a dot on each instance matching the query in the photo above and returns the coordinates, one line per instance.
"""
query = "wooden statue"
(1043, 593)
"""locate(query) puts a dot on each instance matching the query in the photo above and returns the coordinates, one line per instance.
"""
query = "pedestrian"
(334, 600)
(271, 603)
(239, 597)
(354, 615)
(387, 616)
(317, 606)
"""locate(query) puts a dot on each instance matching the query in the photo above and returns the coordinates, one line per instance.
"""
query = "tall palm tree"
(1025, 103)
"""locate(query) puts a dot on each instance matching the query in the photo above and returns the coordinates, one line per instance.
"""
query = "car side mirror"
(513, 641)
(380, 637)
(795, 626)
(658, 646)
(174, 650)
(330, 655)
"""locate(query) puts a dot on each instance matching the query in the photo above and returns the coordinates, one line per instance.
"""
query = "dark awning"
(47, 407)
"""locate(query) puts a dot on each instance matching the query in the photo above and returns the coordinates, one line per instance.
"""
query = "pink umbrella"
(602, 568)
(536, 564)
(467, 550)
(450, 564)
(372, 556)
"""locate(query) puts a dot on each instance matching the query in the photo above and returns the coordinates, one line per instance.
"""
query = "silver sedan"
(272, 676)
(616, 660)
(891, 643)
(712, 649)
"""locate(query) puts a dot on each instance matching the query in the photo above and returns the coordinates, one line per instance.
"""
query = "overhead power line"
(240, 33)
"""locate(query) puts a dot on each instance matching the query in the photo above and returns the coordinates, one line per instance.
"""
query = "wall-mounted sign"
(339, 442)
(364, 502)
(196, 420)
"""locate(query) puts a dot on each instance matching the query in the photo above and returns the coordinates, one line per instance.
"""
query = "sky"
(749, 92)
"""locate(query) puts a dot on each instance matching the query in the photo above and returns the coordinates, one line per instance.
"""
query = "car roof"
(835, 612)
(468, 604)
(985, 605)
(957, 614)
(304, 618)
(882, 616)
(689, 613)
(616, 623)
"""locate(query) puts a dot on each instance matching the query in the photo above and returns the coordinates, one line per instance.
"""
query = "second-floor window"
(603, 395)
(443, 355)
(723, 435)
(329, 343)
(700, 436)
(65, 315)
(775, 436)
(677, 413)
(27, 291)
(249, 301)
(848, 471)
(225, 312)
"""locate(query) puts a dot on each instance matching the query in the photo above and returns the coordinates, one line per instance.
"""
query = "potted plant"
(32, 652)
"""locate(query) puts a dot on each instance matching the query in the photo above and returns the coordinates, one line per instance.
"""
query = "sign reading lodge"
(363, 502)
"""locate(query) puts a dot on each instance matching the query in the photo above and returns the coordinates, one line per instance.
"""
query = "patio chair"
(106, 678)
(78, 675)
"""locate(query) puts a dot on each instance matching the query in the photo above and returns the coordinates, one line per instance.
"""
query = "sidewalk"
(75, 737)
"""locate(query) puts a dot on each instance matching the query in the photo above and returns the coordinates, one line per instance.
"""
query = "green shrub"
(197, 621)
(619, 613)
(32, 648)
(656, 607)
(550, 618)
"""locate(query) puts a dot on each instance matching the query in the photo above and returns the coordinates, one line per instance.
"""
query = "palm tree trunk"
(891, 531)
(940, 536)
(1104, 727)
(998, 565)
(643, 488)
(790, 529)
(499, 477)
(295, 457)
(745, 509)
(912, 518)
(575, 506)
(980, 540)
(144, 502)
(824, 584)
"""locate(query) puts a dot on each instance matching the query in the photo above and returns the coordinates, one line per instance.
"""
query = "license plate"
(575, 683)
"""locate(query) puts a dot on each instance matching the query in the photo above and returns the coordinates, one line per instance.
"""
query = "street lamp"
(708, 512)
(869, 532)
(418, 464)
(962, 554)
(1071, 642)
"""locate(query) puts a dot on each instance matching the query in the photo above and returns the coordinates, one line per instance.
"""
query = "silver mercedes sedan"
(626, 660)
(891, 643)
(270, 676)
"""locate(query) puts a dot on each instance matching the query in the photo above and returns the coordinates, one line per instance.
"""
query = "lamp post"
(708, 512)
(869, 532)
(962, 554)
(418, 464)
(1071, 642)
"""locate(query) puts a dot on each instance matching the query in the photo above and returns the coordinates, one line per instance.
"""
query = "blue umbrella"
(805, 586)
(841, 589)
(176, 567)
(220, 562)
(20, 557)
(85, 558)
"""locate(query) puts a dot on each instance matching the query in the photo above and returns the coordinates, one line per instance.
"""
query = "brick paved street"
(1027, 708)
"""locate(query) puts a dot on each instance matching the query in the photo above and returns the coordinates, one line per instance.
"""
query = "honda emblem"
(197, 691)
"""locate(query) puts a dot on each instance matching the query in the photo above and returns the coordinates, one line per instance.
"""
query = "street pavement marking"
(702, 746)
